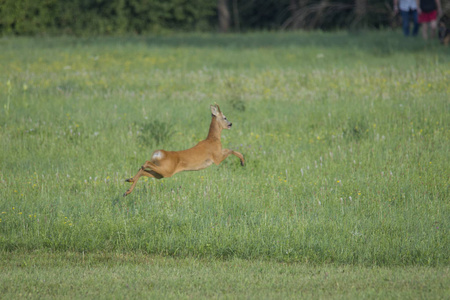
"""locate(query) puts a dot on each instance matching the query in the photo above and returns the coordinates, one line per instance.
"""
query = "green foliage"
(155, 132)
(357, 128)
(118, 17)
(27, 17)
(346, 150)
(82, 17)
(238, 104)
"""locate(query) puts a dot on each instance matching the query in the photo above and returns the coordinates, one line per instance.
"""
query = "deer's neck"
(214, 130)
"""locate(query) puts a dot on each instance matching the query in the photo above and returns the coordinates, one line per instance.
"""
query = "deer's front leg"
(227, 152)
(240, 156)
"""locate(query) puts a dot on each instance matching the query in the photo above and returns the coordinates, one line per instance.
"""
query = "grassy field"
(136, 276)
(346, 138)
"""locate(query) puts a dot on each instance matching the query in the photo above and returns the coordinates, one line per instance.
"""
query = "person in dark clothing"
(408, 11)
(429, 11)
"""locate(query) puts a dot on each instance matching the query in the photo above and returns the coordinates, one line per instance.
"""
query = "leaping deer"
(165, 164)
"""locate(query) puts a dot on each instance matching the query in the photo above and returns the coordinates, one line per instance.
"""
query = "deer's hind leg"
(139, 174)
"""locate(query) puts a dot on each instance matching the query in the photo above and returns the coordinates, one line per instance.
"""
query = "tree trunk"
(360, 11)
(224, 15)
(237, 26)
(317, 21)
(298, 9)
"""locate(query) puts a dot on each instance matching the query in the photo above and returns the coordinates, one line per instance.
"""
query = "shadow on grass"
(117, 200)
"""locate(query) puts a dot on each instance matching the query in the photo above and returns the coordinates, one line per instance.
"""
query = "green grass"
(346, 139)
(132, 276)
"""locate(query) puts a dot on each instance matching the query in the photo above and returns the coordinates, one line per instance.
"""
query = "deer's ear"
(215, 110)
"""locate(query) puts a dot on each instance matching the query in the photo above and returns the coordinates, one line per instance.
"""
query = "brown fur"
(165, 164)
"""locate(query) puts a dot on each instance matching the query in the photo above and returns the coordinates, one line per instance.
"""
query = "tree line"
(81, 17)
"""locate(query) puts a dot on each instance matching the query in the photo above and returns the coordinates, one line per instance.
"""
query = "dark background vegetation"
(87, 17)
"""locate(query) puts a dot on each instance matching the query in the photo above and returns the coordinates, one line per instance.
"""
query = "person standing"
(429, 10)
(408, 11)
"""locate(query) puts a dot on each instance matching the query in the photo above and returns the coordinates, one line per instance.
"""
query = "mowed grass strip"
(68, 275)
(346, 139)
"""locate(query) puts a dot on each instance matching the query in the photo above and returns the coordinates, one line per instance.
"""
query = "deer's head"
(220, 117)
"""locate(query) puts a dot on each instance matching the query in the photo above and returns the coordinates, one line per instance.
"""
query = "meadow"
(346, 140)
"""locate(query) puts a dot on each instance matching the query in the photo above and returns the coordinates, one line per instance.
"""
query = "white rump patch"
(157, 155)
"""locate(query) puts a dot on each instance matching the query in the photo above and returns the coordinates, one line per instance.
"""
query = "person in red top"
(428, 10)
